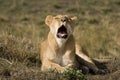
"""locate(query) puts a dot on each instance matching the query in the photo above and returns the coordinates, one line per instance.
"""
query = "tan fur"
(58, 53)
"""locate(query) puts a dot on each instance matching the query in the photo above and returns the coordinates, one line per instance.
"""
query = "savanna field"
(22, 29)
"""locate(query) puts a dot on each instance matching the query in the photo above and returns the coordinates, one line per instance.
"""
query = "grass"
(22, 29)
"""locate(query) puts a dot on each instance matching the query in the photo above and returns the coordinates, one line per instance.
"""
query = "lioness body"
(59, 50)
(55, 57)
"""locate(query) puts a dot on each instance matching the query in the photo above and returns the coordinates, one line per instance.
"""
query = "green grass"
(22, 29)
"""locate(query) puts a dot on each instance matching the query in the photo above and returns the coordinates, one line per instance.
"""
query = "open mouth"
(62, 32)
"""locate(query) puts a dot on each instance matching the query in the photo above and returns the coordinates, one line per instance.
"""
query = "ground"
(22, 29)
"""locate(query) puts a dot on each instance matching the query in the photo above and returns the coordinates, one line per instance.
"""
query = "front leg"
(70, 66)
(69, 59)
(50, 65)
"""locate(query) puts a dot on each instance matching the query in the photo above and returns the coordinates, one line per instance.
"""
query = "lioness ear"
(48, 20)
(74, 19)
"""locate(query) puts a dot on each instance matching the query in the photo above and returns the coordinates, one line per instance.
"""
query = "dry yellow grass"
(22, 28)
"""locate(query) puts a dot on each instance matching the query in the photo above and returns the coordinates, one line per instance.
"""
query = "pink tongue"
(62, 33)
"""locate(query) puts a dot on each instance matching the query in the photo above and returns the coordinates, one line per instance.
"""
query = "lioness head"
(61, 26)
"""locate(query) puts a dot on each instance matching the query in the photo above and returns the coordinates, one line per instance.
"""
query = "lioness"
(60, 51)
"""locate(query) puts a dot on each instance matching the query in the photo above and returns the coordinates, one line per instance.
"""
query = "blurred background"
(22, 29)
